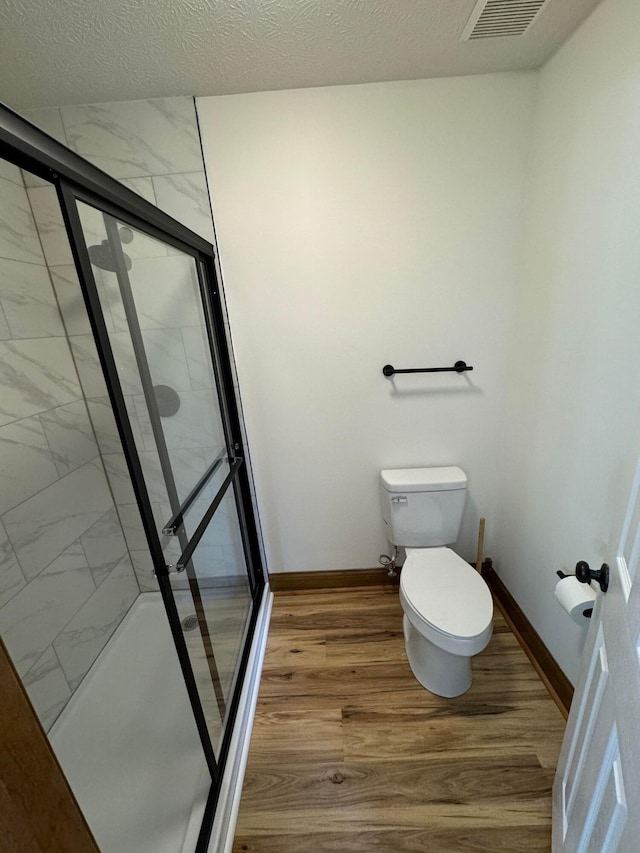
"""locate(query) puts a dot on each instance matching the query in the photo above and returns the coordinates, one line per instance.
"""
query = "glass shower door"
(142, 411)
(151, 304)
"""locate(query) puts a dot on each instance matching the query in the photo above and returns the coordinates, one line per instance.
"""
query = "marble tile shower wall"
(66, 578)
(153, 147)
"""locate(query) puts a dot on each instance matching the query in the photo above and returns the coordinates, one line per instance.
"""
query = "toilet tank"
(422, 507)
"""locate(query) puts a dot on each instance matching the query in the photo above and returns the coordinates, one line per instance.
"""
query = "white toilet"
(448, 610)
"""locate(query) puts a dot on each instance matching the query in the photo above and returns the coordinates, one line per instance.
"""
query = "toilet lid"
(446, 592)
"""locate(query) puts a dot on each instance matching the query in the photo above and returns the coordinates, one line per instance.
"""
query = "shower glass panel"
(149, 477)
(150, 296)
(219, 564)
(222, 601)
(97, 659)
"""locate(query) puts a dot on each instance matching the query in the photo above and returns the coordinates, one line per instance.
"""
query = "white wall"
(361, 225)
(573, 423)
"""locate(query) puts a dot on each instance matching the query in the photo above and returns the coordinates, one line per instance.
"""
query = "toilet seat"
(446, 600)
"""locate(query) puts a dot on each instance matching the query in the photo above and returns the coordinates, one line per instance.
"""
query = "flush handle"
(400, 499)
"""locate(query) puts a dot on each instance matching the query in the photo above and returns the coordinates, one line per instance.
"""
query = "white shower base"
(128, 743)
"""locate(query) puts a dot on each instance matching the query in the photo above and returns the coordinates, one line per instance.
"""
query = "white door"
(596, 793)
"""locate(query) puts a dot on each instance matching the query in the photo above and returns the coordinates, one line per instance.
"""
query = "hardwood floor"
(350, 753)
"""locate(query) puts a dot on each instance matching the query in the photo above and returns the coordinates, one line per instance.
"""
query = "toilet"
(448, 610)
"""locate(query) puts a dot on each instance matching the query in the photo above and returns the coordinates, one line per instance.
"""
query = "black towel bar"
(458, 367)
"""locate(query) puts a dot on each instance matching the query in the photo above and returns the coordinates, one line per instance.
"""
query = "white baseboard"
(224, 823)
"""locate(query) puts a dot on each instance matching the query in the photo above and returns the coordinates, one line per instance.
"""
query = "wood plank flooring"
(350, 753)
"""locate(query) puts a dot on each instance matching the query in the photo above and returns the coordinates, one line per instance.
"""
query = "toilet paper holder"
(585, 574)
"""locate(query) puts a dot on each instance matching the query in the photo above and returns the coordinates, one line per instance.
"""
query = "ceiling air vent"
(498, 18)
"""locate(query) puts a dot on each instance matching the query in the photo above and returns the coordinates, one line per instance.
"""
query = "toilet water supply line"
(390, 562)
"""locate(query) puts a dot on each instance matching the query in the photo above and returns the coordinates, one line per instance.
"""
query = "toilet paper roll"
(575, 598)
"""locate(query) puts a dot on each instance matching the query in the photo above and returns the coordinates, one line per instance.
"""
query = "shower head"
(101, 256)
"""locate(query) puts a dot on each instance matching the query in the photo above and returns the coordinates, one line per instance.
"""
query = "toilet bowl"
(448, 618)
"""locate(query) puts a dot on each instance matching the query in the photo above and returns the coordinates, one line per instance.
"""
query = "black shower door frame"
(77, 180)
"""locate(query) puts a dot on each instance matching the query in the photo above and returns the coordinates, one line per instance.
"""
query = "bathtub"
(128, 743)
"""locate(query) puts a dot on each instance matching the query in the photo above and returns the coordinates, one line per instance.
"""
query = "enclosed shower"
(130, 577)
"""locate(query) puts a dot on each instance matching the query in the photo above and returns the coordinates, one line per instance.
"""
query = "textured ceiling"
(82, 51)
